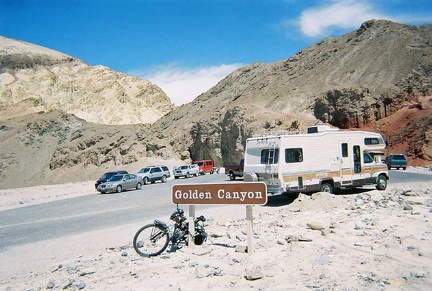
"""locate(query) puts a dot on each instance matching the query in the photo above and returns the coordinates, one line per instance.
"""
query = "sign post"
(247, 193)
(249, 221)
(191, 224)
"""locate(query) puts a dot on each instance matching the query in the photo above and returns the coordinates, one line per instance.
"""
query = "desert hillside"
(68, 121)
(60, 82)
(55, 147)
(359, 79)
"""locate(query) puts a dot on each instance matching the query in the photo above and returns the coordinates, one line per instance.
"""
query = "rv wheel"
(381, 182)
(326, 187)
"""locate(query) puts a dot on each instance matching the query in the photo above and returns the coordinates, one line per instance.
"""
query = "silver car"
(186, 171)
(151, 174)
(119, 183)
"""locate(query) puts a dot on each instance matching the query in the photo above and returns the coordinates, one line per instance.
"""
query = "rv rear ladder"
(271, 160)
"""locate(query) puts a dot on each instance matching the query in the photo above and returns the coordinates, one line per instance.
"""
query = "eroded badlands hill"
(93, 93)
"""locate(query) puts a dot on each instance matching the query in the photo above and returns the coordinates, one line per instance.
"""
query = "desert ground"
(362, 240)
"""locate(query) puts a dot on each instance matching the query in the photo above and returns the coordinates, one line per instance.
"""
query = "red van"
(205, 166)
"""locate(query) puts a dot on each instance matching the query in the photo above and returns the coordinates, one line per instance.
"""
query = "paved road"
(93, 212)
(400, 177)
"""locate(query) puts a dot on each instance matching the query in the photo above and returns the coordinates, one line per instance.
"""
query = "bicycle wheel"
(151, 240)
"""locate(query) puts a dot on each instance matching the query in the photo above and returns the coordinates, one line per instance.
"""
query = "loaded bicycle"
(152, 239)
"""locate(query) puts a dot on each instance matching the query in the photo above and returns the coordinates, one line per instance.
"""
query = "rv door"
(357, 177)
(345, 164)
(357, 159)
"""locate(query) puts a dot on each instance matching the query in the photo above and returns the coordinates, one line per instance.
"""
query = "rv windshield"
(367, 158)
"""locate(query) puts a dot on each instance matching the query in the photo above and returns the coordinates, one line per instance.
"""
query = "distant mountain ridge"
(351, 81)
(378, 78)
(93, 93)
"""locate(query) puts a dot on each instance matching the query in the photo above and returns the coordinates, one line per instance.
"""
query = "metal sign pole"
(249, 221)
(191, 224)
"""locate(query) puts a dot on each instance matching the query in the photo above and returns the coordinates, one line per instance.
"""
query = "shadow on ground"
(286, 199)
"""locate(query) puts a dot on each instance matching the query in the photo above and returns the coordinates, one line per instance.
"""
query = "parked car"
(396, 161)
(105, 177)
(234, 171)
(151, 174)
(186, 171)
(205, 166)
(119, 183)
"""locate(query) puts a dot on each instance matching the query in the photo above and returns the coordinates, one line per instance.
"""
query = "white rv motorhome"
(324, 159)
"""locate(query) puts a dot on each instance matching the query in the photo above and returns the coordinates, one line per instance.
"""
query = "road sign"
(246, 193)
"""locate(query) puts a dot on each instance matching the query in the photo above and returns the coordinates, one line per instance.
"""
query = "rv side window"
(270, 156)
(294, 155)
(344, 150)
(371, 140)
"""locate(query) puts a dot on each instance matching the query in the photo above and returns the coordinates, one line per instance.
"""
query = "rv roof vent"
(321, 128)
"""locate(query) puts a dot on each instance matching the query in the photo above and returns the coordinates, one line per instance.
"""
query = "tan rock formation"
(93, 93)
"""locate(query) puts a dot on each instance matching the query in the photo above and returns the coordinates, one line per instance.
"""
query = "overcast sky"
(187, 46)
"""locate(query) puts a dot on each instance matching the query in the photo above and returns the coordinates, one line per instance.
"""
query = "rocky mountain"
(359, 79)
(377, 77)
(39, 147)
(60, 82)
